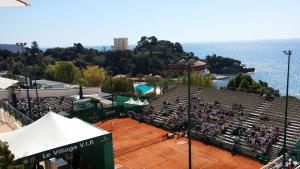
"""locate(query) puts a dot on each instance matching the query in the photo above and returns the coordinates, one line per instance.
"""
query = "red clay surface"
(168, 154)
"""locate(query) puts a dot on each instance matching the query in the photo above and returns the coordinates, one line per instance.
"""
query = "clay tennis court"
(133, 150)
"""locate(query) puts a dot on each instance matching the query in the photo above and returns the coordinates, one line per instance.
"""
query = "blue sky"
(96, 22)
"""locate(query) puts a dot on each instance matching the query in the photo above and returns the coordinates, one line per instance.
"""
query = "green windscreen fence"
(120, 101)
(15, 113)
(297, 149)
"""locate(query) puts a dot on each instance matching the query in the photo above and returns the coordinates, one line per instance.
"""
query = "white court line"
(151, 164)
(165, 159)
(132, 161)
(202, 158)
(133, 130)
(207, 165)
(201, 154)
(123, 164)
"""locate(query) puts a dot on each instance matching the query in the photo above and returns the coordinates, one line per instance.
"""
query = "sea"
(266, 56)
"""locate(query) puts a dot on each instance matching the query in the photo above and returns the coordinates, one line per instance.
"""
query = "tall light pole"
(36, 89)
(111, 86)
(188, 61)
(23, 44)
(288, 53)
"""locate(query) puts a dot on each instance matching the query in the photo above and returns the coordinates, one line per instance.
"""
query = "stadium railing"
(15, 113)
(271, 164)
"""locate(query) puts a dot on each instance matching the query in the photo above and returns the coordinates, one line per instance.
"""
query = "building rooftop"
(54, 84)
(199, 63)
(6, 83)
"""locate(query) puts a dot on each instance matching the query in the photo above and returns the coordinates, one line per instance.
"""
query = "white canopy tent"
(11, 3)
(139, 102)
(6, 83)
(130, 101)
(146, 102)
(50, 132)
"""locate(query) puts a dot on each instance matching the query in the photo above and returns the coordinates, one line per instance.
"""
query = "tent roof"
(49, 132)
(7, 3)
(6, 83)
(139, 102)
(146, 102)
(130, 101)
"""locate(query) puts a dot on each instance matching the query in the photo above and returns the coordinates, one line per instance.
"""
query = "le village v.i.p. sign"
(74, 147)
(70, 149)
(65, 149)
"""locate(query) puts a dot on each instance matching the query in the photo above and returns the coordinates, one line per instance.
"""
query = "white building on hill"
(120, 44)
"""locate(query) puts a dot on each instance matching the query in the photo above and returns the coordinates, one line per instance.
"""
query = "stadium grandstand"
(28, 105)
(243, 122)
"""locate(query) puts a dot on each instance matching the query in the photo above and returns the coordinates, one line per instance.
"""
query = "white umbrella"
(11, 3)
(146, 102)
(130, 101)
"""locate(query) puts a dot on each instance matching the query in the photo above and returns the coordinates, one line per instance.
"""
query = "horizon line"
(184, 42)
(190, 42)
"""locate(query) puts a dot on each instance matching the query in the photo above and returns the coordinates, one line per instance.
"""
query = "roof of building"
(6, 83)
(199, 63)
(120, 76)
(104, 95)
(49, 83)
(158, 76)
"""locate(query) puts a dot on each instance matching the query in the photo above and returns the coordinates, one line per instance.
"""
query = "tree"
(49, 72)
(244, 82)
(34, 54)
(48, 60)
(153, 40)
(178, 48)
(122, 85)
(198, 80)
(244, 85)
(6, 157)
(17, 68)
(78, 47)
(65, 71)
(119, 85)
(223, 65)
(231, 84)
(35, 47)
(94, 76)
(149, 56)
